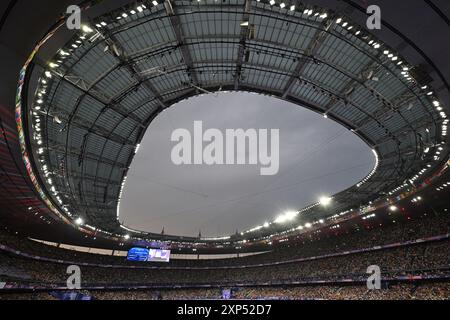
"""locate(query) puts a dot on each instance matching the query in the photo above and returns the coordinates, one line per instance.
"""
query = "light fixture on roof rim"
(287, 216)
(393, 208)
(325, 201)
(86, 29)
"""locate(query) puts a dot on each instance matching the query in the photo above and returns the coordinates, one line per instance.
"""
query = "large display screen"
(152, 255)
(226, 294)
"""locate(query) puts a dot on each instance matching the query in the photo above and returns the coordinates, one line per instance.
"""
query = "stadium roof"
(92, 94)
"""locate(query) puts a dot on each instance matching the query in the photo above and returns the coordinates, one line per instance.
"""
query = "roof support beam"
(119, 53)
(91, 127)
(178, 29)
(75, 152)
(421, 123)
(87, 177)
(89, 91)
(311, 50)
(245, 30)
(405, 152)
(370, 67)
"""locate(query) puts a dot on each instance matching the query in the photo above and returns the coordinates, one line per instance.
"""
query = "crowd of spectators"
(309, 245)
(395, 291)
(426, 291)
(429, 258)
(420, 259)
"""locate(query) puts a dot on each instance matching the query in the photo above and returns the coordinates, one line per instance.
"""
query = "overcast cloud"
(317, 157)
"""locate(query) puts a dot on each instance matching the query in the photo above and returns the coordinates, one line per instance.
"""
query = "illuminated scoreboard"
(151, 255)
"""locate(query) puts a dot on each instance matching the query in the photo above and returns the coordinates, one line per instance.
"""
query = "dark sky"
(317, 157)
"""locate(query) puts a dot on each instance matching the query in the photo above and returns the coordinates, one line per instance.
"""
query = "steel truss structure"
(103, 88)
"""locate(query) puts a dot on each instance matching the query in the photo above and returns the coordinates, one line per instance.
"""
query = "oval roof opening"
(317, 157)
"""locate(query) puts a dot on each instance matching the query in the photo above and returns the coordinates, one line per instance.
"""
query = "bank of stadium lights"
(286, 217)
(443, 186)
(254, 229)
(216, 238)
(101, 24)
(393, 191)
(375, 168)
(337, 215)
(370, 216)
(131, 230)
(325, 201)
(79, 221)
(393, 208)
(86, 29)
(444, 127)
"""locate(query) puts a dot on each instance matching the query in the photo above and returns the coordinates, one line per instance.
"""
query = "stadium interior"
(75, 104)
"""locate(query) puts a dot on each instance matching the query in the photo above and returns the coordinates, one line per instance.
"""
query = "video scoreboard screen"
(226, 294)
(151, 255)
